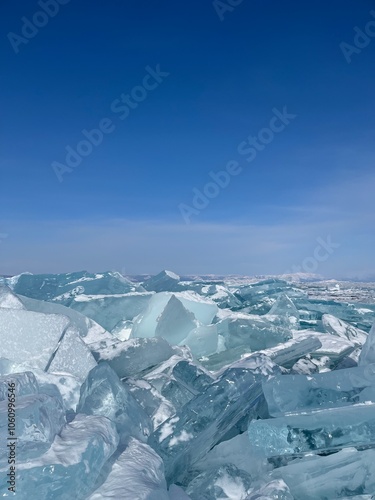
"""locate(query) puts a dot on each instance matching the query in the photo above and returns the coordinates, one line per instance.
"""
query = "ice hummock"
(165, 281)
(191, 389)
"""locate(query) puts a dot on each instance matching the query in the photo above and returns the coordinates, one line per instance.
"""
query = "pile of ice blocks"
(170, 390)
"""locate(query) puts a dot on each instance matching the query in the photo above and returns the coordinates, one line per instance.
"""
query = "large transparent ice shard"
(314, 431)
(340, 475)
(178, 379)
(138, 473)
(224, 482)
(203, 309)
(72, 356)
(166, 281)
(109, 310)
(157, 407)
(30, 337)
(186, 437)
(70, 468)
(186, 380)
(133, 356)
(286, 310)
(104, 394)
(336, 326)
(37, 418)
(254, 332)
(175, 322)
(288, 393)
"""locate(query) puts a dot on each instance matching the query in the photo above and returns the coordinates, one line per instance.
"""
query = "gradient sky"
(119, 208)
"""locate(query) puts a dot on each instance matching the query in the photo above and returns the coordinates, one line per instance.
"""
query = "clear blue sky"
(119, 208)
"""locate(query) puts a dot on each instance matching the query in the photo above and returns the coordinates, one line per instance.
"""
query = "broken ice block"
(175, 322)
(70, 468)
(157, 407)
(221, 296)
(203, 340)
(133, 356)
(260, 296)
(88, 329)
(166, 281)
(288, 393)
(30, 337)
(186, 437)
(234, 451)
(334, 347)
(186, 381)
(336, 326)
(313, 431)
(226, 481)
(285, 309)
(104, 394)
(8, 299)
(179, 380)
(340, 475)
(367, 355)
(203, 309)
(72, 356)
(137, 473)
(38, 418)
(109, 310)
(254, 332)
(287, 353)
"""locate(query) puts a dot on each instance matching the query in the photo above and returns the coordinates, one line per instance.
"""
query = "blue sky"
(119, 208)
